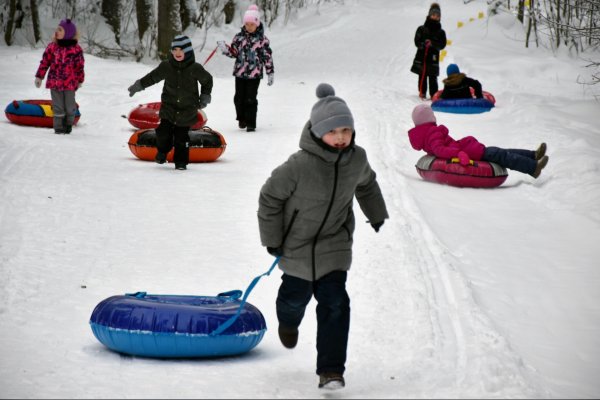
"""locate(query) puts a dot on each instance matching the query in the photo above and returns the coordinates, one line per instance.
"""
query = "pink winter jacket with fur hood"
(435, 141)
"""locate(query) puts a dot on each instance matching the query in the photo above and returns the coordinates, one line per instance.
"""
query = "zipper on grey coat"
(314, 247)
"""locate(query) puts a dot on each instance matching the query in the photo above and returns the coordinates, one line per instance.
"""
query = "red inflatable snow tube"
(33, 113)
(481, 174)
(206, 145)
(145, 116)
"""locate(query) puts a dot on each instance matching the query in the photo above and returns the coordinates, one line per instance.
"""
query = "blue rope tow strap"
(231, 320)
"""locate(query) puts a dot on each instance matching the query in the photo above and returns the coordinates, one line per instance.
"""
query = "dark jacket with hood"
(305, 206)
(458, 86)
(431, 30)
(180, 99)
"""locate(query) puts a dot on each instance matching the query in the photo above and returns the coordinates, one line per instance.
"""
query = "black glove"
(275, 251)
(136, 87)
(204, 100)
(377, 225)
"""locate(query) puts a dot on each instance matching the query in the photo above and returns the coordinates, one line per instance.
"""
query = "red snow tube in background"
(145, 116)
(206, 145)
(33, 113)
(481, 174)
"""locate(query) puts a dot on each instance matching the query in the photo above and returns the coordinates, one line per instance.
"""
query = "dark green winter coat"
(180, 99)
(308, 199)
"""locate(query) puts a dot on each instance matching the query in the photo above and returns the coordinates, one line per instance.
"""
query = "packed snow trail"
(454, 340)
(82, 220)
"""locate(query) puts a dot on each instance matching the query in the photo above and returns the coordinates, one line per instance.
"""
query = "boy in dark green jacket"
(180, 99)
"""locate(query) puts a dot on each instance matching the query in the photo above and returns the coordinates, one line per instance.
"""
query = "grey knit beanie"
(329, 112)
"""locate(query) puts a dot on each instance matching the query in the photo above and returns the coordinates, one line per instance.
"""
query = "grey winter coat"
(305, 207)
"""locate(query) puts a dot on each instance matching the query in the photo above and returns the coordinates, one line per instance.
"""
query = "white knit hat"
(252, 15)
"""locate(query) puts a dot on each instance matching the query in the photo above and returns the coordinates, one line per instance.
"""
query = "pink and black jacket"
(252, 53)
(63, 60)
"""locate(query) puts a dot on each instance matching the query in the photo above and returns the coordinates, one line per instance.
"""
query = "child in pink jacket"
(63, 59)
(435, 140)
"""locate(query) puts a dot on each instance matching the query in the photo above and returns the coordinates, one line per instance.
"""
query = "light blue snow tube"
(177, 326)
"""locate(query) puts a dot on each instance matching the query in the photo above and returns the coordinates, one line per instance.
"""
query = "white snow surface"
(464, 293)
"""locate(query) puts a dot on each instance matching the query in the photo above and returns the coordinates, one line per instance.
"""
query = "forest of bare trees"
(570, 24)
(144, 28)
(138, 28)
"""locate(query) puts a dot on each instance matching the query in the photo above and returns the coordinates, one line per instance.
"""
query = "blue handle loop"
(233, 294)
(137, 295)
(232, 319)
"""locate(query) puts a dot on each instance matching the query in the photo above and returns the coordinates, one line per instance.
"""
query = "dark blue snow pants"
(333, 315)
(516, 159)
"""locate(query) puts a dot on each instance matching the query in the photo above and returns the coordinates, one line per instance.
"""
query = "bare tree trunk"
(143, 13)
(111, 10)
(521, 10)
(35, 19)
(557, 23)
(591, 31)
(10, 22)
(229, 10)
(73, 6)
(169, 24)
(185, 15)
(529, 22)
(270, 9)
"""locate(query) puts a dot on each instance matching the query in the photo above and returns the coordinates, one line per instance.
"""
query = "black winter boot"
(540, 166)
(540, 151)
(331, 381)
(160, 158)
(288, 336)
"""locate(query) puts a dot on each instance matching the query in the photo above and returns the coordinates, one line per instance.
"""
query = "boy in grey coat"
(305, 216)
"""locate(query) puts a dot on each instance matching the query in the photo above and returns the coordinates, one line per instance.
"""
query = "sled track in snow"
(467, 349)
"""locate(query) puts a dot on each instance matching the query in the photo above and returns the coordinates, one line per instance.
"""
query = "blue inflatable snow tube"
(463, 106)
(177, 326)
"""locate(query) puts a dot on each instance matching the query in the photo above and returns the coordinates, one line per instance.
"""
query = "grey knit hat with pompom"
(329, 112)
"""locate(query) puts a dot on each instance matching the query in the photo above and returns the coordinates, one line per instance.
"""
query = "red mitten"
(463, 158)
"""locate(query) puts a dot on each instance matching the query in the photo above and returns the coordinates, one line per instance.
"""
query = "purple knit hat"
(69, 27)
